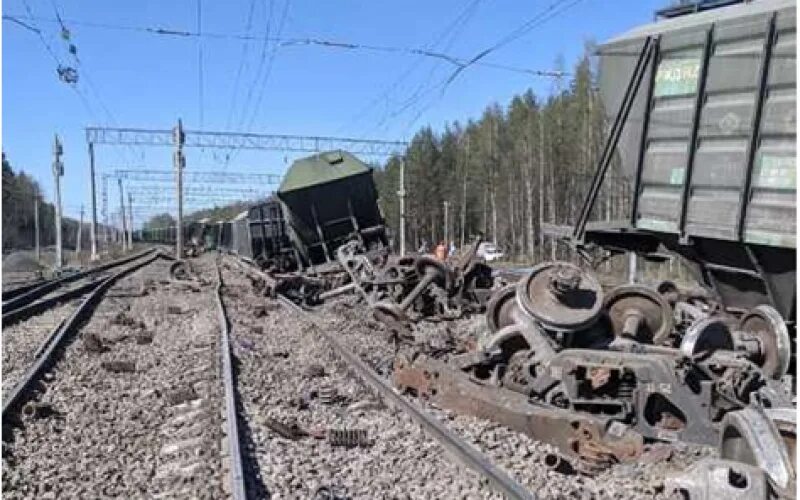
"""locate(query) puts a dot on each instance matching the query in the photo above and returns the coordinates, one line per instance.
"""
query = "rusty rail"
(468, 455)
(236, 472)
(57, 339)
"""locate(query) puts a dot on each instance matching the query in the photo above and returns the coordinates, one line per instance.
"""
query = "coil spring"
(626, 387)
(327, 394)
(348, 438)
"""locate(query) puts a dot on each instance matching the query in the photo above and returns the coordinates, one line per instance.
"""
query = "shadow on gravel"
(253, 482)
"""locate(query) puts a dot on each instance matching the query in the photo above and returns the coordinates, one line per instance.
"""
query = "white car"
(489, 252)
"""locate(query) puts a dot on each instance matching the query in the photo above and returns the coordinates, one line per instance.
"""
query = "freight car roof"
(320, 169)
(705, 17)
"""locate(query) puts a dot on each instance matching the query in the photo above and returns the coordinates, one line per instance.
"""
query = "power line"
(551, 11)
(542, 17)
(301, 42)
(461, 19)
(268, 72)
(242, 58)
(262, 60)
(66, 35)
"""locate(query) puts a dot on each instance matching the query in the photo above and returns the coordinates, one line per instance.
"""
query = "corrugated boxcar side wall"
(724, 130)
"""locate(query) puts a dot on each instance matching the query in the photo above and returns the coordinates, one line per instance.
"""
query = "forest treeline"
(505, 175)
(19, 192)
(519, 167)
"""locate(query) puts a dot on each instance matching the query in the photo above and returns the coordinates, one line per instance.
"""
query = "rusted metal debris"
(36, 410)
(119, 366)
(180, 395)
(584, 438)
(599, 376)
(348, 438)
(406, 289)
(288, 430)
(331, 493)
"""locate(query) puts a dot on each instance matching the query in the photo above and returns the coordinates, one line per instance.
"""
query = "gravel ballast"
(288, 374)
(151, 432)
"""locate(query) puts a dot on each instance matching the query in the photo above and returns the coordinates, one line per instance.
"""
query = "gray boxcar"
(710, 144)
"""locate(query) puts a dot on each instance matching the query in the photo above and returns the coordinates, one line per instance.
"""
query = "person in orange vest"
(441, 251)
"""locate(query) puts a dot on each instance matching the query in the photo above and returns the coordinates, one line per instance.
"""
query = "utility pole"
(122, 215)
(58, 172)
(402, 194)
(446, 232)
(36, 226)
(464, 195)
(179, 160)
(93, 234)
(130, 220)
(78, 244)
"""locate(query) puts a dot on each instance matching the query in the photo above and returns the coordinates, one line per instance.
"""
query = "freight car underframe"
(602, 377)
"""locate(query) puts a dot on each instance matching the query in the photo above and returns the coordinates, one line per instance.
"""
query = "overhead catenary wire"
(300, 42)
(242, 58)
(551, 11)
(545, 15)
(452, 29)
(84, 72)
(268, 72)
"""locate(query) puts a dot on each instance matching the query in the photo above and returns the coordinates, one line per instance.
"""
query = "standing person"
(452, 249)
(441, 251)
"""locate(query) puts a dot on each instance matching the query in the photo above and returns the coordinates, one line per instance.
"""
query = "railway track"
(50, 321)
(35, 298)
(135, 407)
(302, 390)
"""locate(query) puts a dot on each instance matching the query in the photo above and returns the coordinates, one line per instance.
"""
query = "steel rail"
(45, 287)
(57, 339)
(25, 311)
(468, 455)
(236, 473)
(21, 287)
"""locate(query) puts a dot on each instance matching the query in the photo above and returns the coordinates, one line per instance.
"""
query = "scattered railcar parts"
(236, 472)
(561, 296)
(349, 438)
(21, 393)
(179, 270)
(500, 306)
(592, 441)
(640, 313)
(765, 324)
(710, 479)
(461, 450)
(751, 436)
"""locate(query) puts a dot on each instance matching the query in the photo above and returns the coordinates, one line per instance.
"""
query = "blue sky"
(135, 79)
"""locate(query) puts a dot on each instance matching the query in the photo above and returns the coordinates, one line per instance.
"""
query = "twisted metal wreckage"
(602, 376)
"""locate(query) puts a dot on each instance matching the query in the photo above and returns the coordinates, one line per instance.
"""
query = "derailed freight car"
(241, 242)
(709, 146)
(271, 246)
(704, 125)
(328, 199)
